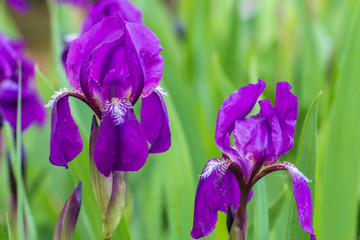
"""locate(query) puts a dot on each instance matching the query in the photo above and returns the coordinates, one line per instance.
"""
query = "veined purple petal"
(21, 6)
(65, 142)
(286, 107)
(216, 191)
(301, 191)
(146, 65)
(110, 57)
(81, 52)
(155, 122)
(121, 145)
(112, 87)
(31, 106)
(105, 8)
(258, 138)
(236, 107)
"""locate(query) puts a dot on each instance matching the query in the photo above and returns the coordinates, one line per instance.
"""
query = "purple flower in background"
(98, 11)
(258, 142)
(106, 8)
(109, 68)
(20, 6)
(78, 3)
(11, 54)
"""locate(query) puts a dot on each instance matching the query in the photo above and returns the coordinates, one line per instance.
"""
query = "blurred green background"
(211, 48)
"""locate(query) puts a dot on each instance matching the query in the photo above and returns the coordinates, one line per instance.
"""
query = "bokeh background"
(210, 49)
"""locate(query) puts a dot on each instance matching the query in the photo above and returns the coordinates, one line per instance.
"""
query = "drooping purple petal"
(65, 225)
(301, 191)
(258, 138)
(65, 141)
(286, 107)
(121, 144)
(303, 198)
(236, 107)
(216, 191)
(146, 65)
(105, 8)
(20, 6)
(155, 122)
(31, 106)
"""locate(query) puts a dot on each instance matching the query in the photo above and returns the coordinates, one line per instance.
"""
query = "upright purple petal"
(215, 192)
(258, 138)
(110, 58)
(236, 107)
(81, 52)
(20, 6)
(121, 144)
(65, 141)
(105, 8)
(31, 107)
(142, 48)
(155, 122)
(286, 107)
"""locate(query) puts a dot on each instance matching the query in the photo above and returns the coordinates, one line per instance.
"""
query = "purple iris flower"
(109, 68)
(11, 54)
(78, 3)
(258, 142)
(106, 8)
(20, 6)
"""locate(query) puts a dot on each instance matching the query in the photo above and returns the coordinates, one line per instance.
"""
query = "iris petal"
(65, 141)
(301, 191)
(142, 47)
(155, 122)
(236, 107)
(258, 137)
(286, 107)
(21, 6)
(215, 191)
(82, 49)
(31, 106)
(102, 9)
(121, 144)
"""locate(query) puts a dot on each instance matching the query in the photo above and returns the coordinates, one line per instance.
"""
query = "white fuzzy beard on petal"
(215, 164)
(162, 91)
(117, 108)
(56, 96)
(297, 174)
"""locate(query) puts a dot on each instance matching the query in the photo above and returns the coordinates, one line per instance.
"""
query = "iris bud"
(68, 217)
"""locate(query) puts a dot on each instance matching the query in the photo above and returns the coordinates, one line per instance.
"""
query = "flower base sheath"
(225, 183)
